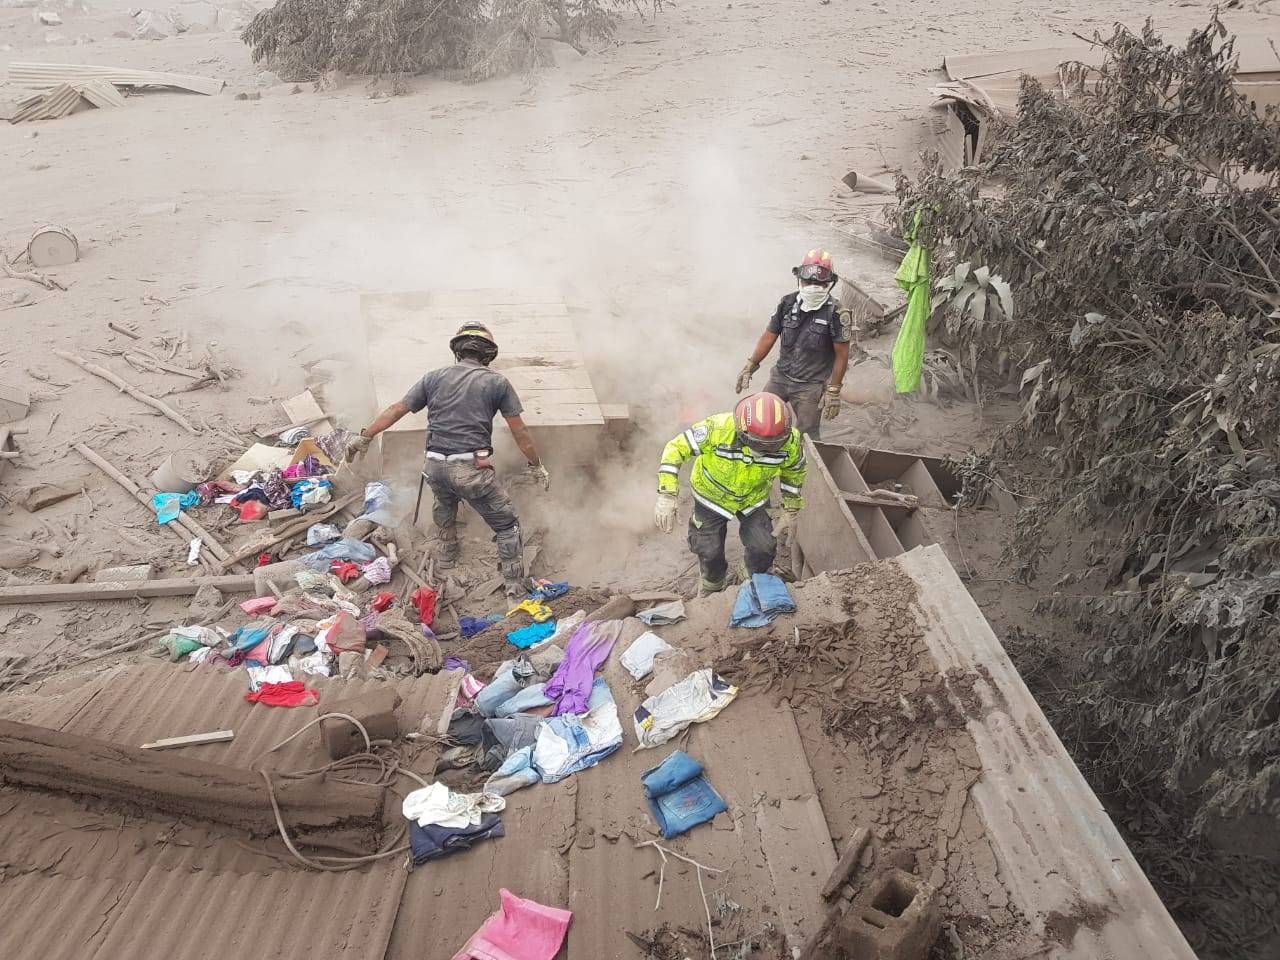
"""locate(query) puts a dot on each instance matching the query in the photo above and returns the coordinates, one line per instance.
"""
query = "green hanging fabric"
(908, 348)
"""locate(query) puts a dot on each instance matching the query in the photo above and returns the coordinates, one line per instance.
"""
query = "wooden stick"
(133, 391)
(215, 736)
(10, 454)
(117, 590)
(183, 521)
(260, 544)
(118, 329)
(848, 863)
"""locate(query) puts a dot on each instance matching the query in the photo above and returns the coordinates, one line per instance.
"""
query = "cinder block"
(896, 917)
(135, 571)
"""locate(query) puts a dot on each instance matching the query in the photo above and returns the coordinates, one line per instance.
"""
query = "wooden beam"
(128, 388)
(848, 863)
(316, 811)
(116, 590)
(191, 739)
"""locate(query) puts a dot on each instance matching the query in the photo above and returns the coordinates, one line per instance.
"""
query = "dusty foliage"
(1138, 224)
(305, 38)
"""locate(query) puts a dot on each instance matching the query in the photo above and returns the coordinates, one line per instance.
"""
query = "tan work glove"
(357, 446)
(541, 476)
(664, 513)
(784, 523)
(744, 378)
(831, 402)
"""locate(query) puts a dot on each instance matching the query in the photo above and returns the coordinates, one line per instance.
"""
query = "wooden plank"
(191, 739)
(1057, 848)
(821, 528)
(848, 863)
(108, 590)
(304, 409)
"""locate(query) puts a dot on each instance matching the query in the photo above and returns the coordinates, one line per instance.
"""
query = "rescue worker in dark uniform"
(461, 402)
(816, 332)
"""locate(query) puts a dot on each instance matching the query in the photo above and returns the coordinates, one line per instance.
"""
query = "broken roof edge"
(1060, 854)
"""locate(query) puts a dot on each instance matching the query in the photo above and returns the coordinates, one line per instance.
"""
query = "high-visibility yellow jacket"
(728, 477)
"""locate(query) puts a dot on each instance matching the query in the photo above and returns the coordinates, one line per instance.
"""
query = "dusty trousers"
(707, 532)
(805, 400)
(455, 481)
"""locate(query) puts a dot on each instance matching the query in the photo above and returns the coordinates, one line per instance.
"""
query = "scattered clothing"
(519, 684)
(314, 663)
(258, 605)
(291, 694)
(503, 736)
(469, 689)
(344, 570)
(178, 646)
(568, 744)
(377, 501)
(547, 590)
(520, 930)
(356, 551)
(439, 806)
(382, 601)
(470, 626)
(695, 699)
(526, 637)
(277, 491)
(311, 492)
(590, 647)
(679, 796)
(319, 533)
(516, 772)
(466, 727)
(663, 614)
(456, 663)
(379, 571)
(760, 600)
(168, 505)
(536, 609)
(339, 634)
(250, 635)
(638, 658)
(433, 841)
(424, 598)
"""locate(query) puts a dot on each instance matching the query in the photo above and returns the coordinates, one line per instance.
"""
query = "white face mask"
(813, 296)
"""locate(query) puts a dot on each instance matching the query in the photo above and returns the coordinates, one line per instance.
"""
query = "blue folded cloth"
(526, 637)
(470, 626)
(760, 600)
(434, 841)
(679, 796)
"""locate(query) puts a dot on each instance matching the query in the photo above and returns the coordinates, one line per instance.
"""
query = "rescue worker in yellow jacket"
(736, 457)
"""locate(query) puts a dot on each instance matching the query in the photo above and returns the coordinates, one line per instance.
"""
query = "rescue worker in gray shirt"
(816, 331)
(461, 402)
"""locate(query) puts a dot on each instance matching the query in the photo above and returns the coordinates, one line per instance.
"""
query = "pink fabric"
(520, 930)
(258, 605)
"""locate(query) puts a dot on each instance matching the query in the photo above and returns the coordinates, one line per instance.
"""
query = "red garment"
(253, 510)
(424, 598)
(383, 600)
(344, 570)
(292, 694)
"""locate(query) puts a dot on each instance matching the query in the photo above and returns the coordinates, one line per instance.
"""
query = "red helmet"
(763, 422)
(816, 265)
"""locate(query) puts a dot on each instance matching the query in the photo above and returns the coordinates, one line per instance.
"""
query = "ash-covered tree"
(302, 39)
(1137, 222)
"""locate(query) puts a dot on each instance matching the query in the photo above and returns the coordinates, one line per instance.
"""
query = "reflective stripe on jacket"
(728, 477)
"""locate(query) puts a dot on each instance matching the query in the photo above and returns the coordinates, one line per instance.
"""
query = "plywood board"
(408, 335)
(304, 408)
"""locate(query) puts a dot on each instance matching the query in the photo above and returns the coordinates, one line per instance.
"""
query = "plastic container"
(178, 473)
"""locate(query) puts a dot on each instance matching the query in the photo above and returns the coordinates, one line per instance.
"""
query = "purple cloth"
(457, 663)
(570, 685)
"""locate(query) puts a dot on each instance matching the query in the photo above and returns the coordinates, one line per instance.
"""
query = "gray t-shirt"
(461, 402)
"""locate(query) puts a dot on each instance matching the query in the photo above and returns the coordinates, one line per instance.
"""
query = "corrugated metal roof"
(135, 703)
(51, 74)
(285, 916)
(56, 918)
(100, 93)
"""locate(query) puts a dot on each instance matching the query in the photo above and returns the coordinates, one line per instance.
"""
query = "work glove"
(831, 404)
(664, 513)
(785, 523)
(541, 476)
(744, 378)
(356, 447)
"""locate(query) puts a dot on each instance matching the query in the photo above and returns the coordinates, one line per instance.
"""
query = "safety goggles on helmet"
(814, 271)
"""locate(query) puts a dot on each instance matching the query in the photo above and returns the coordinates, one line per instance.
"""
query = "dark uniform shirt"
(808, 352)
(461, 402)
